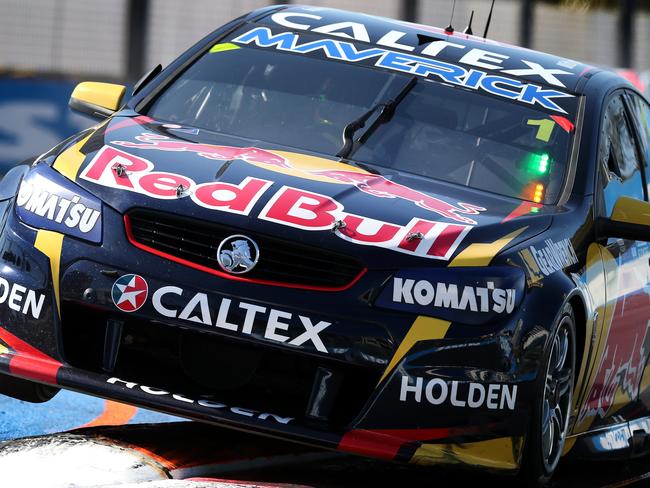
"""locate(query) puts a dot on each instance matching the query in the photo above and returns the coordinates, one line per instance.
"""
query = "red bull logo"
(379, 186)
(370, 184)
(292, 207)
(209, 151)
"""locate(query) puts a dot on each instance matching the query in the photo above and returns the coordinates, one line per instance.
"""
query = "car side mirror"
(630, 219)
(99, 100)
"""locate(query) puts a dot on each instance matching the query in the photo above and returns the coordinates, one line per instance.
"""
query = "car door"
(640, 114)
(624, 317)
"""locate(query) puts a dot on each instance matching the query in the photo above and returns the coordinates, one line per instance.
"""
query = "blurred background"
(47, 46)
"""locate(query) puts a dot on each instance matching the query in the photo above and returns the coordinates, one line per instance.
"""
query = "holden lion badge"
(238, 254)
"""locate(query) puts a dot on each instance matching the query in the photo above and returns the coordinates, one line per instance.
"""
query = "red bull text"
(289, 206)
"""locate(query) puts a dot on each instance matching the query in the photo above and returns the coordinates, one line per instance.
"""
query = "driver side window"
(620, 172)
(640, 111)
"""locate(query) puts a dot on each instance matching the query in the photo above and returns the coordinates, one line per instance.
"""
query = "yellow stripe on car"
(502, 453)
(50, 243)
(482, 254)
(223, 47)
(423, 329)
(606, 309)
(70, 161)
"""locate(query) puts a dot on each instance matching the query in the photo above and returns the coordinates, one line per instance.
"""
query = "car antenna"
(468, 29)
(449, 29)
(489, 20)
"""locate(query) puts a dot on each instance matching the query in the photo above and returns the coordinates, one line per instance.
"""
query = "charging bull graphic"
(371, 184)
(209, 151)
(378, 186)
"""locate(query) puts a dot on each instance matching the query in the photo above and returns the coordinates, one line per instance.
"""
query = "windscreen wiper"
(387, 111)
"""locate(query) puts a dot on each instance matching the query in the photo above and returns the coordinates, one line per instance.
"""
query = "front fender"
(11, 181)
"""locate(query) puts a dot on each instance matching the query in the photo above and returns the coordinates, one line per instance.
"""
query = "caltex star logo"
(130, 292)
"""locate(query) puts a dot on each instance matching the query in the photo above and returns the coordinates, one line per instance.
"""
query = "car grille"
(282, 263)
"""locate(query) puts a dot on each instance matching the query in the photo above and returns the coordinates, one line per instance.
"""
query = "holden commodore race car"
(352, 232)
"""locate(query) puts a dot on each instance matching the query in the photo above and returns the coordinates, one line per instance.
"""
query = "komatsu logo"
(448, 295)
(47, 200)
(68, 212)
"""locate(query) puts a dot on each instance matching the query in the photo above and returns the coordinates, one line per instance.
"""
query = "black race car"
(373, 236)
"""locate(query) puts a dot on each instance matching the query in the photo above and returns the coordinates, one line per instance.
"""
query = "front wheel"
(27, 391)
(553, 403)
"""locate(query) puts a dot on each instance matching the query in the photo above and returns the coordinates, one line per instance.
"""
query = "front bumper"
(196, 352)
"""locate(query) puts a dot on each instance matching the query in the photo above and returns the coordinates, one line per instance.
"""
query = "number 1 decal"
(545, 128)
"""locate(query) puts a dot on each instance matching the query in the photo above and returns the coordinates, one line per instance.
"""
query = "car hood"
(388, 220)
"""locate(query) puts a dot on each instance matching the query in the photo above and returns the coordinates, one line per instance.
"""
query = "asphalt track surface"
(189, 449)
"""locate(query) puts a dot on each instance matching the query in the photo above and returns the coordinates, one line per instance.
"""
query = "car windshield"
(438, 131)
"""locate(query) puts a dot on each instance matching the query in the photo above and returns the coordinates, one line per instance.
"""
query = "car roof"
(453, 47)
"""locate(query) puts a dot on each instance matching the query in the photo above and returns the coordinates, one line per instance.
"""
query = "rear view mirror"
(99, 100)
(630, 220)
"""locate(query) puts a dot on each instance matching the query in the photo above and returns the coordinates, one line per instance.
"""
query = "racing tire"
(552, 407)
(25, 390)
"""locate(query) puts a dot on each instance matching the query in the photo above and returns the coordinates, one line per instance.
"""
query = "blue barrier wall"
(34, 117)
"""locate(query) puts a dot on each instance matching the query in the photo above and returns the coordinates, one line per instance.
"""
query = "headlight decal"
(464, 295)
(47, 200)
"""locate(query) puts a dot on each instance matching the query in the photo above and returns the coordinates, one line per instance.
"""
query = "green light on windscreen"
(542, 168)
(539, 164)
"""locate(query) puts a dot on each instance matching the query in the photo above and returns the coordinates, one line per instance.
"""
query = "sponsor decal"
(129, 292)
(21, 299)
(448, 295)
(620, 368)
(461, 295)
(471, 395)
(426, 67)
(202, 402)
(289, 206)
(548, 259)
(241, 317)
(615, 439)
(394, 39)
(46, 200)
(315, 212)
(371, 184)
